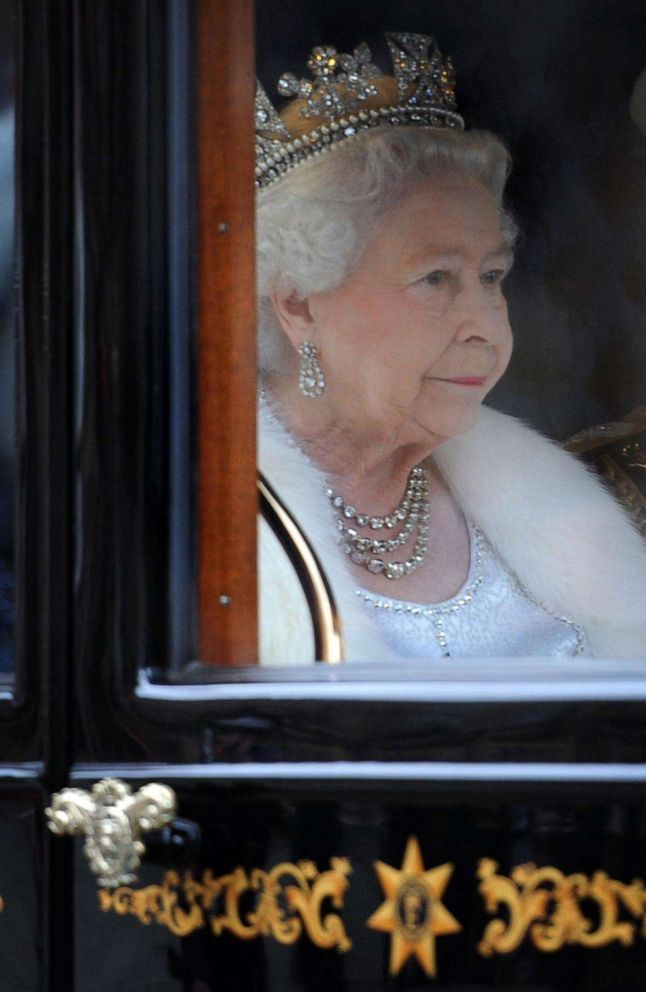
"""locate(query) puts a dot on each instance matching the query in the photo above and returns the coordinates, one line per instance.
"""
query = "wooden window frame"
(227, 497)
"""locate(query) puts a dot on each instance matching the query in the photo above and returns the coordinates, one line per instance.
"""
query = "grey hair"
(314, 224)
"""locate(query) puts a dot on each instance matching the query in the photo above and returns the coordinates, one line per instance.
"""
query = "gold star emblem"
(413, 912)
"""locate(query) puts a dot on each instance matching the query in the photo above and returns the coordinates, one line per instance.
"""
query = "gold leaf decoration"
(283, 903)
(413, 912)
(555, 909)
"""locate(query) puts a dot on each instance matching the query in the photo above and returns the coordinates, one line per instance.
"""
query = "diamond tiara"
(349, 94)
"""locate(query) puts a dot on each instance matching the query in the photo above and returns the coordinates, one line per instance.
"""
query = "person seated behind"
(445, 528)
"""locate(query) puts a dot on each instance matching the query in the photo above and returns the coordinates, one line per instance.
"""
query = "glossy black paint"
(333, 730)
(34, 717)
(261, 824)
(21, 886)
(121, 439)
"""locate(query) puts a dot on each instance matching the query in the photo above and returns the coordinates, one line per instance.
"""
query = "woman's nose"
(481, 317)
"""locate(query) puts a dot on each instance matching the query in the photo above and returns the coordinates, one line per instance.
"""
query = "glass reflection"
(7, 358)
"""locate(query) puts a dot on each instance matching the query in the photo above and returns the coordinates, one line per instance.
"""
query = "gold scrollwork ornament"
(545, 904)
(286, 902)
(173, 904)
(304, 890)
(112, 819)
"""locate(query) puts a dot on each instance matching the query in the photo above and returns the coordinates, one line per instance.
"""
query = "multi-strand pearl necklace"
(412, 512)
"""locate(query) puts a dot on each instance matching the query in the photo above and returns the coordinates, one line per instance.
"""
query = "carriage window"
(369, 356)
(342, 341)
(7, 359)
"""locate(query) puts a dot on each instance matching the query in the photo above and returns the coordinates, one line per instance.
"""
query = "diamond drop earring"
(311, 379)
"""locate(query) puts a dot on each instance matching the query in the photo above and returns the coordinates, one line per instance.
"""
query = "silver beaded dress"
(491, 616)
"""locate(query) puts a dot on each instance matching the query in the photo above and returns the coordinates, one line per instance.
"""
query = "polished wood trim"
(228, 503)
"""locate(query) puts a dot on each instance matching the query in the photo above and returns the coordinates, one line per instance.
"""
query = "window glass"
(576, 298)
(7, 357)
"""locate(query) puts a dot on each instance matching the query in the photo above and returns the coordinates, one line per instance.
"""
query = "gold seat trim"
(328, 635)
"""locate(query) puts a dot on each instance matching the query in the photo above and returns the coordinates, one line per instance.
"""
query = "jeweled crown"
(348, 95)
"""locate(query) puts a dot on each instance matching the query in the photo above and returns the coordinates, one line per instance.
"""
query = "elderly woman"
(446, 529)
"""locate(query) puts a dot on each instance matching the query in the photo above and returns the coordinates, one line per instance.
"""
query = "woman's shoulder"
(502, 458)
(555, 524)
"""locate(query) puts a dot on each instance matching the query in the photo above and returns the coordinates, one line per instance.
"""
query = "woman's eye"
(436, 278)
(493, 277)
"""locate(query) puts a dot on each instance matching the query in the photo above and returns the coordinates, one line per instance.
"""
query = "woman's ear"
(294, 316)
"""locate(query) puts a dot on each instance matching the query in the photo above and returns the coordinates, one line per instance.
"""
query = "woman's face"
(416, 337)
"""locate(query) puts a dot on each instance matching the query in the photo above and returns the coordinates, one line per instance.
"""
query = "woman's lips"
(466, 380)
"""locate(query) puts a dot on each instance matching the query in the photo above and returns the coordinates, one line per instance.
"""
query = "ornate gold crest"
(112, 820)
(413, 912)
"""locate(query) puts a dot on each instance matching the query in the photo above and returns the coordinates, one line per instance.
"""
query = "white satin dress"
(491, 616)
